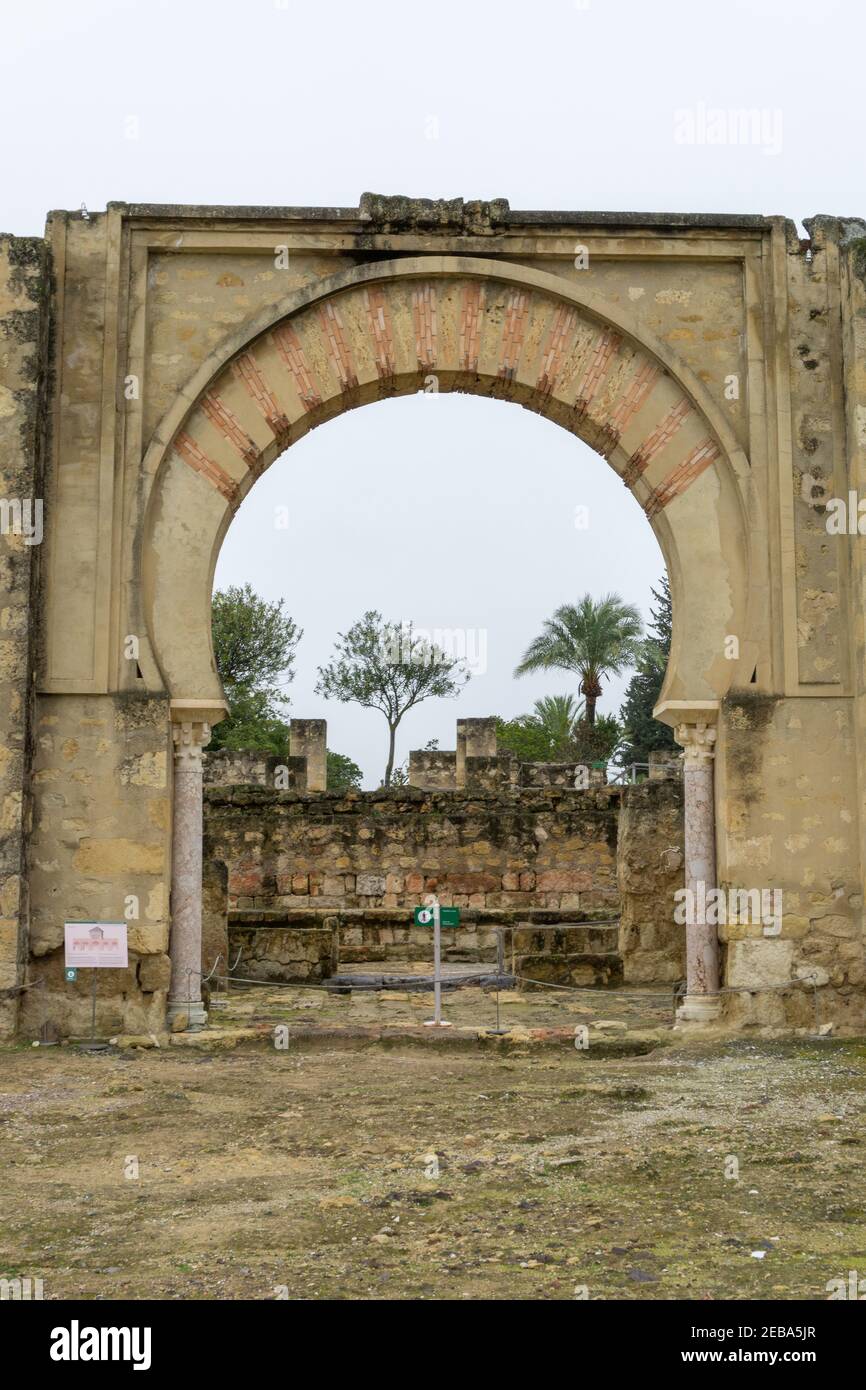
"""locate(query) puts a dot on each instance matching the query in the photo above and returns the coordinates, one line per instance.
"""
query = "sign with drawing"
(94, 944)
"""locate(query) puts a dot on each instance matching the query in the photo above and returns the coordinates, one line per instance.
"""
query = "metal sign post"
(93, 1045)
(94, 945)
(499, 1031)
(423, 916)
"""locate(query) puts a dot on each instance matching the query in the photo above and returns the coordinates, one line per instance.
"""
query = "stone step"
(565, 938)
(344, 982)
(580, 969)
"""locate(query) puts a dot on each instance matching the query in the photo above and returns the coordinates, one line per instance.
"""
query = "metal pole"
(93, 1010)
(436, 1021)
(437, 965)
(500, 971)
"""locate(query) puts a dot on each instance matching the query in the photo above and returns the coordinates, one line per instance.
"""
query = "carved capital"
(190, 737)
(698, 742)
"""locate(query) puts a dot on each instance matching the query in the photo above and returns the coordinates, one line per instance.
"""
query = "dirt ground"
(697, 1171)
(469, 1008)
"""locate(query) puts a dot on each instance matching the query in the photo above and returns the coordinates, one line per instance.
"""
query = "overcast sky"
(453, 511)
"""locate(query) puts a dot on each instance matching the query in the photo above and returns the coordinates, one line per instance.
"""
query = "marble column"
(190, 737)
(702, 1000)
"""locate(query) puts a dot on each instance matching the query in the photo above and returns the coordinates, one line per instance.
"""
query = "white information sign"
(94, 944)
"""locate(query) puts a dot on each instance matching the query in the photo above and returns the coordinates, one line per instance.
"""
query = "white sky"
(456, 512)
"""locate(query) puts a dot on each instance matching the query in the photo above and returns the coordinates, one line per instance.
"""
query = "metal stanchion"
(498, 1031)
(93, 1045)
(437, 1020)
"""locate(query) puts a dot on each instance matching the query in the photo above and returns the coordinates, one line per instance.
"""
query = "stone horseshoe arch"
(156, 366)
(490, 328)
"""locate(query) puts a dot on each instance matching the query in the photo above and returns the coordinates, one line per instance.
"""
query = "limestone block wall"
(100, 851)
(559, 774)
(314, 945)
(294, 953)
(433, 769)
(787, 792)
(853, 355)
(214, 917)
(23, 288)
(701, 304)
(227, 767)
(650, 870)
(541, 848)
(308, 741)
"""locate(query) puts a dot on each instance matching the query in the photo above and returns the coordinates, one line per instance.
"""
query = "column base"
(699, 1008)
(192, 1010)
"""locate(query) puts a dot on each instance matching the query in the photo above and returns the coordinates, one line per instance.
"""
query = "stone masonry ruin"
(154, 363)
(303, 880)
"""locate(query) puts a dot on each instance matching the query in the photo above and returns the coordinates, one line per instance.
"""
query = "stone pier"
(308, 739)
(476, 738)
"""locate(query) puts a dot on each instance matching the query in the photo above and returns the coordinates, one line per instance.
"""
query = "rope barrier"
(594, 990)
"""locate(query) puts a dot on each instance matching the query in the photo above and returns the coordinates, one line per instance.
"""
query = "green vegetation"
(387, 667)
(642, 734)
(342, 772)
(254, 646)
(594, 638)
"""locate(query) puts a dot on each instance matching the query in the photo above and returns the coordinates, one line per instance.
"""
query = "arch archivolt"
(448, 324)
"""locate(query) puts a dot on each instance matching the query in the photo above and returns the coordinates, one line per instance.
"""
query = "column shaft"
(702, 938)
(186, 863)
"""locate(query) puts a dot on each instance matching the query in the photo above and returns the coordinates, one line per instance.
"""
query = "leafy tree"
(386, 666)
(596, 743)
(555, 733)
(254, 645)
(253, 723)
(342, 772)
(559, 716)
(525, 738)
(545, 736)
(595, 638)
(641, 733)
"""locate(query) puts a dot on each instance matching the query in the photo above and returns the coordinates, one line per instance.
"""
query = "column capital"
(698, 742)
(190, 737)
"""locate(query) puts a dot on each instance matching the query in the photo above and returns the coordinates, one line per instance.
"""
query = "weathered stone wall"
(23, 332)
(314, 945)
(640, 363)
(367, 935)
(228, 767)
(560, 775)
(568, 954)
(433, 769)
(543, 848)
(287, 954)
(100, 851)
(798, 756)
(214, 917)
(650, 869)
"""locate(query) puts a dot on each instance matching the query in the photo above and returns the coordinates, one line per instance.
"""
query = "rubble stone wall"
(539, 848)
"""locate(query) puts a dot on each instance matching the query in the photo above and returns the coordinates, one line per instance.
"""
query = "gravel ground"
(726, 1170)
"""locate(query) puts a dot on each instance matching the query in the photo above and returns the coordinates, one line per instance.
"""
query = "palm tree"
(595, 638)
(558, 716)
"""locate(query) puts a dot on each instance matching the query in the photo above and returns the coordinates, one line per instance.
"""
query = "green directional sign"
(448, 916)
(70, 974)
